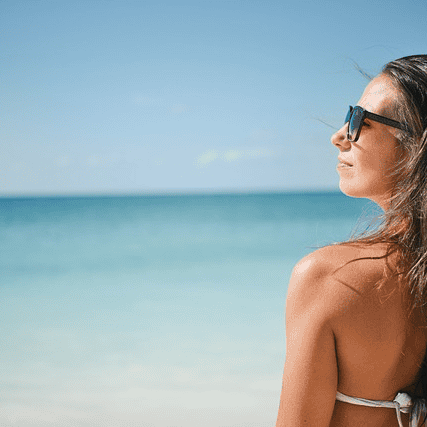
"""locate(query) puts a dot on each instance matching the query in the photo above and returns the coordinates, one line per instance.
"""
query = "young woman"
(356, 323)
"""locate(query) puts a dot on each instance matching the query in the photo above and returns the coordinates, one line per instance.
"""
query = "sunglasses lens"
(355, 123)
(347, 117)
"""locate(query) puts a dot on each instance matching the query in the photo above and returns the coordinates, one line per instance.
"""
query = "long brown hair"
(403, 227)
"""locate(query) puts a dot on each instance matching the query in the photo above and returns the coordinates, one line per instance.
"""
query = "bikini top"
(402, 403)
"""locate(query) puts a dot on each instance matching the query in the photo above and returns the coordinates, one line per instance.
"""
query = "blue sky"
(113, 97)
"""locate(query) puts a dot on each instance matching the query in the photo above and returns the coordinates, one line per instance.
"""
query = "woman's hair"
(403, 226)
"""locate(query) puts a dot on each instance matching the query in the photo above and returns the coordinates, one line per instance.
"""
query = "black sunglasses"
(355, 117)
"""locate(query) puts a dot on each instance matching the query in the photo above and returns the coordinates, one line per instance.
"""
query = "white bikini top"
(401, 403)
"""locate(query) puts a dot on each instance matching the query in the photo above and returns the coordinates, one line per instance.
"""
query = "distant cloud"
(207, 158)
(232, 155)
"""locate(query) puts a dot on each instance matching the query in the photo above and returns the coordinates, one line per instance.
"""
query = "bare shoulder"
(333, 278)
(357, 266)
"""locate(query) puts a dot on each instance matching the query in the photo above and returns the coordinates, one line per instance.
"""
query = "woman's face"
(376, 152)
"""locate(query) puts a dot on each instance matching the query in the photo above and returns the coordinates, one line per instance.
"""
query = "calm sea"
(154, 310)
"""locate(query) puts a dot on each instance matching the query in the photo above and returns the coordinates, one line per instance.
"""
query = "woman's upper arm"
(310, 374)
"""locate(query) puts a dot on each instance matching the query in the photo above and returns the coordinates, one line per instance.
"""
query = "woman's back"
(345, 333)
(379, 345)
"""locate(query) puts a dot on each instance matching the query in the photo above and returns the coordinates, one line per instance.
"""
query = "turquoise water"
(152, 310)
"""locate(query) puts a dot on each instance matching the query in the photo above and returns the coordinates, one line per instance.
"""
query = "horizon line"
(169, 193)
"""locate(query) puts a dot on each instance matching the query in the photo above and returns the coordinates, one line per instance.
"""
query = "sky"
(138, 97)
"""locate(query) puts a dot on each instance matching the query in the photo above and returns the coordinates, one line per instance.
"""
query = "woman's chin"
(350, 191)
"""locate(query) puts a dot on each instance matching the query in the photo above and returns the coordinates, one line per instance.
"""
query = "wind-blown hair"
(403, 226)
(409, 203)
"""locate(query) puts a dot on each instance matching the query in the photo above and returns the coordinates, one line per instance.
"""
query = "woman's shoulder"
(335, 275)
(333, 255)
(354, 263)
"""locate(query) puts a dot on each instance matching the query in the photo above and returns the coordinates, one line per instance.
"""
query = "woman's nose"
(339, 138)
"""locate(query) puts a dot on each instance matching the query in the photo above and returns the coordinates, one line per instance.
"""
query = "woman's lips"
(344, 162)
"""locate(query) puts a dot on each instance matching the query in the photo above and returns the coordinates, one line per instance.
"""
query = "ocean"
(153, 311)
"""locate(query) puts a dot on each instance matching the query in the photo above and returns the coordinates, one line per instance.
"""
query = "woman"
(356, 322)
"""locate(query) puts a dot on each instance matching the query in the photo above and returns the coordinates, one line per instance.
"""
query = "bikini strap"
(401, 403)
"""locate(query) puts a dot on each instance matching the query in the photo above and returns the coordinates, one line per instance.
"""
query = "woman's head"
(390, 168)
(385, 159)
(375, 154)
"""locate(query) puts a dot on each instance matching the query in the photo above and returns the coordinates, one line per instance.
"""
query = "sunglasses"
(355, 117)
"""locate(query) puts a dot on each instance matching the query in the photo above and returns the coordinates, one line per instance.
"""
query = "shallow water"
(153, 310)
